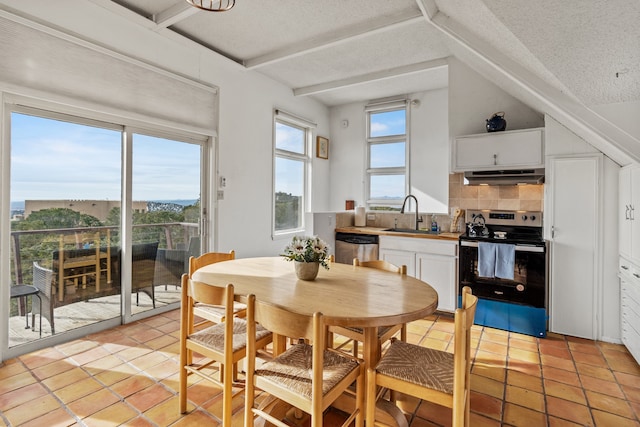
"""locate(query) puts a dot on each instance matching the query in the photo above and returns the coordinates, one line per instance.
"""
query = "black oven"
(516, 301)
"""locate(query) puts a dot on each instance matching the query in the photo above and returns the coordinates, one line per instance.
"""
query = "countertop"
(382, 232)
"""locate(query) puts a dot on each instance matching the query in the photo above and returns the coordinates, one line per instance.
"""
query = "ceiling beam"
(370, 77)
(173, 14)
(336, 38)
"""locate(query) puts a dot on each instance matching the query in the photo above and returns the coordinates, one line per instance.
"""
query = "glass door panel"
(166, 177)
(65, 187)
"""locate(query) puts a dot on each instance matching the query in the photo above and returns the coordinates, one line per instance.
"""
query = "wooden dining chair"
(433, 375)
(356, 335)
(309, 377)
(222, 343)
(212, 313)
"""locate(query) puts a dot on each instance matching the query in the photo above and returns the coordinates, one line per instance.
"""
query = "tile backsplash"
(507, 197)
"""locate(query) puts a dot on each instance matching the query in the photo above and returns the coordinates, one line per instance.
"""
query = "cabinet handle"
(631, 215)
(495, 159)
(553, 231)
(626, 211)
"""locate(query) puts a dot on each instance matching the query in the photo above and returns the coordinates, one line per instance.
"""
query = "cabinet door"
(399, 258)
(634, 217)
(624, 212)
(575, 258)
(499, 150)
(439, 272)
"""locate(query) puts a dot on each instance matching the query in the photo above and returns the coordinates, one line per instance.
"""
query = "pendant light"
(213, 5)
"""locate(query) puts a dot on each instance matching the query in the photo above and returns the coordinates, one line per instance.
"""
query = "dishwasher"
(354, 245)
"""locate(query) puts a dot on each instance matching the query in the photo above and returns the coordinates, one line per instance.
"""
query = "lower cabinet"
(630, 307)
(433, 261)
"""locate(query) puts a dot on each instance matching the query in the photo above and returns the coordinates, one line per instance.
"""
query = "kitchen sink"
(411, 230)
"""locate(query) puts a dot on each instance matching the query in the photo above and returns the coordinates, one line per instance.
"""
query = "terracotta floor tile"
(89, 356)
(560, 375)
(570, 411)
(629, 367)
(115, 374)
(558, 422)
(588, 358)
(632, 393)
(77, 346)
(524, 355)
(493, 347)
(602, 373)
(564, 391)
(515, 415)
(166, 412)
(149, 397)
(496, 336)
(65, 378)
(166, 340)
(11, 367)
(33, 409)
(53, 368)
(608, 388)
(434, 413)
(561, 352)
(77, 390)
(21, 395)
(487, 386)
(93, 403)
(489, 370)
(132, 385)
(524, 344)
(115, 414)
(523, 380)
(557, 362)
(486, 405)
(526, 398)
(608, 419)
(434, 344)
(627, 379)
(41, 357)
(590, 347)
(609, 404)
(524, 367)
(477, 420)
(16, 381)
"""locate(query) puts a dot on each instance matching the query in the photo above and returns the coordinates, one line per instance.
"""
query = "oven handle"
(519, 248)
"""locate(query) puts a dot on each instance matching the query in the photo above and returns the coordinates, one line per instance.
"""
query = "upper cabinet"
(629, 197)
(499, 150)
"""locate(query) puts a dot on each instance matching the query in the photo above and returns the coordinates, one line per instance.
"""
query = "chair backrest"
(209, 258)
(287, 323)
(42, 279)
(381, 265)
(464, 317)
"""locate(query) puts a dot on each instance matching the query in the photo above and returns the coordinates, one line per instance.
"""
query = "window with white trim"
(292, 137)
(387, 148)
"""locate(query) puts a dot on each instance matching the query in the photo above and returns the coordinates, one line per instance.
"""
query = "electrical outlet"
(223, 182)
(220, 195)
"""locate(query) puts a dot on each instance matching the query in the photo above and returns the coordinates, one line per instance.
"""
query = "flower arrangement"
(307, 249)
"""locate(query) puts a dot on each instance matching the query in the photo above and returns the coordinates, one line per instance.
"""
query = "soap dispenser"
(434, 223)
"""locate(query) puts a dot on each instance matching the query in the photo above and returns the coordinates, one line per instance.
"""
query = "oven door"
(529, 277)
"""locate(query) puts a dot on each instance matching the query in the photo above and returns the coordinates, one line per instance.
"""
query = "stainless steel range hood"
(505, 177)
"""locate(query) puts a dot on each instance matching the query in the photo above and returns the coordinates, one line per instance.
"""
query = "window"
(387, 144)
(291, 147)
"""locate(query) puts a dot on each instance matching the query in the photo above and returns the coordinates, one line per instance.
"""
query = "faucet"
(418, 218)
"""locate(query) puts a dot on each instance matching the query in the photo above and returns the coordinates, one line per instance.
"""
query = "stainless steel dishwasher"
(353, 245)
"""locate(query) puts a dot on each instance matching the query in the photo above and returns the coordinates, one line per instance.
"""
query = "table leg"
(279, 344)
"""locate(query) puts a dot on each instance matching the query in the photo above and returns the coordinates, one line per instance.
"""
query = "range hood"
(505, 177)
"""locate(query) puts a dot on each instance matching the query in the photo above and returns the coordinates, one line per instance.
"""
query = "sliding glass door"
(72, 245)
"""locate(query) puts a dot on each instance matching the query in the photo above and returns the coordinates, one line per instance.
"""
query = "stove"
(512, 290)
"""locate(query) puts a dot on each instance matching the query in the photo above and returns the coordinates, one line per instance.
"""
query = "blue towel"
(505, 260)
(486, 259)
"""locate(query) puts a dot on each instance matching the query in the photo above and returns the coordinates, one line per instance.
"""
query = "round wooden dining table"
(345, 294)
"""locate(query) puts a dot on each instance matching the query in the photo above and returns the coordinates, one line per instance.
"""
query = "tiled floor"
(129, 376)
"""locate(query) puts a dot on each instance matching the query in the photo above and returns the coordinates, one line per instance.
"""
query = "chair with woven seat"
(211, 313)
(384, 333)
(222, 343)
(309, 377)
(433, 375)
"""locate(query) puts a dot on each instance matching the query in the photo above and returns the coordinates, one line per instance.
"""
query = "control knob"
(524, 217)
(533, 217)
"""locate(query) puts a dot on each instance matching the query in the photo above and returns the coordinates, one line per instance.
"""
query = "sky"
(52, 159)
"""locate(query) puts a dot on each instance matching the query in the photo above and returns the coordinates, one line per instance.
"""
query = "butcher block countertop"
(382, 232)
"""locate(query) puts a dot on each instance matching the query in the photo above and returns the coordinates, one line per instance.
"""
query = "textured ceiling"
(344, 51)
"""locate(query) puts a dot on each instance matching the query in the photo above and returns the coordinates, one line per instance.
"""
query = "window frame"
(395, 203)
(308, 128)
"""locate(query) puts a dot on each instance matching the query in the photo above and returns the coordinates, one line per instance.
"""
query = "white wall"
(625, 115)
(429, 150)
(561, 141)
(245, 127)
(474, 99)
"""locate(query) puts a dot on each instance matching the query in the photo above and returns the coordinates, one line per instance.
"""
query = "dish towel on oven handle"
(496, 260)
(486, 259)
(505, 260)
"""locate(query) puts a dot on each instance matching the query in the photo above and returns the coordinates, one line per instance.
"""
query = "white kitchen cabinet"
(572, 216)
(630, 307)
(499, 150)
(433, 261)
(629, 228)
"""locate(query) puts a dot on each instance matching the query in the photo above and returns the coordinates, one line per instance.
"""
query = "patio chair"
(43, 281)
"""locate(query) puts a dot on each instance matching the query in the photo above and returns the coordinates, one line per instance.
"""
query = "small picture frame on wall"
(322, 147)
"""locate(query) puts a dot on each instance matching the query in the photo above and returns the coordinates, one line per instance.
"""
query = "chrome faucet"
(418, 218)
